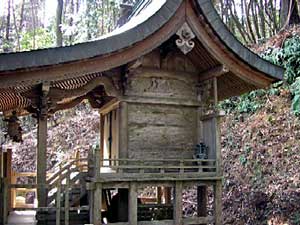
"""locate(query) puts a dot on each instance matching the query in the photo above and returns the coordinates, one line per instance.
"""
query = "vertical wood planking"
(132, 207)
(218, 202)
(178, 203)
(97, 204)
(42, 161)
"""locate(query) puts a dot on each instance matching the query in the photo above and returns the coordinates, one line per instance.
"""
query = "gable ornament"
(185, 42)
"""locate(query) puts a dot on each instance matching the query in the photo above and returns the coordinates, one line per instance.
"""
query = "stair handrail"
(65, 168)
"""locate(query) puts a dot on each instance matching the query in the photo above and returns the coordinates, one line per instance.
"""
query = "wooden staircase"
(67, 200)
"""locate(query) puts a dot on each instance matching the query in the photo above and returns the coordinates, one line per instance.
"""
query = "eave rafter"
(212, 73)
(59, 96)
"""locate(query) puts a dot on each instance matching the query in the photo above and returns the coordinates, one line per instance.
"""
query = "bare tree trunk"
(59, 10)
(21, 16)
(16, 26)
(7, 30)
(289, 14)
(249, 26)
(262, 23)
(255, 20)
(72, 11)
(33, 13)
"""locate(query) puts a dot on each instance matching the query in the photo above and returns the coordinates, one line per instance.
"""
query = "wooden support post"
(42, 161)
(1, 187)
(97, 204)
(202, 201)
(5, 201)
(178, 203)
(218, 202)
(132, 206)
(97, 162)
(13, 191)
(101, 138)
(67, 203)
(8, 175)
(57, 202)
(123, 130)
(217, 130)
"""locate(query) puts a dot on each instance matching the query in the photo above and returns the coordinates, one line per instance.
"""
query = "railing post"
(97, 162)
(132, 207)
(218, 202)
(58, 192)
(181, 165)
(67, 206)
(5, 200)
(97, 204)
(13, 190)
(178, 203)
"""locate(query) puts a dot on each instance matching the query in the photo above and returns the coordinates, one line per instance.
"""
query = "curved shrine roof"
(151, 24)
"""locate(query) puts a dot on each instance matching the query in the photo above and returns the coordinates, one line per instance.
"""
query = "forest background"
(260, 134)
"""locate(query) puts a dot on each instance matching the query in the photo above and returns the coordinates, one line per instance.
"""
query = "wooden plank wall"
(166, 127)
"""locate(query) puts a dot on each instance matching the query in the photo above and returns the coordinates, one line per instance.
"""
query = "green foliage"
(295, 90)
(43, 39)
(247, 103)
(296, 218)
(289, 58)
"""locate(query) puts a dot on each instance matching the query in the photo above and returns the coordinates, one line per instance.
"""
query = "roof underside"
(155, 22)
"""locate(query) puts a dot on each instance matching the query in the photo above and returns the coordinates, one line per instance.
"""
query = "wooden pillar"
(1, 187)
(217, 129)
(8, 175)
(101, 138)
(97, 162)
(67, 198)
(57, 202)
(97, 204)
(202, 201)
(178, 203)
(42, 161)
(123, 130)
(5, 198)
(132, 206)
(218, 202)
